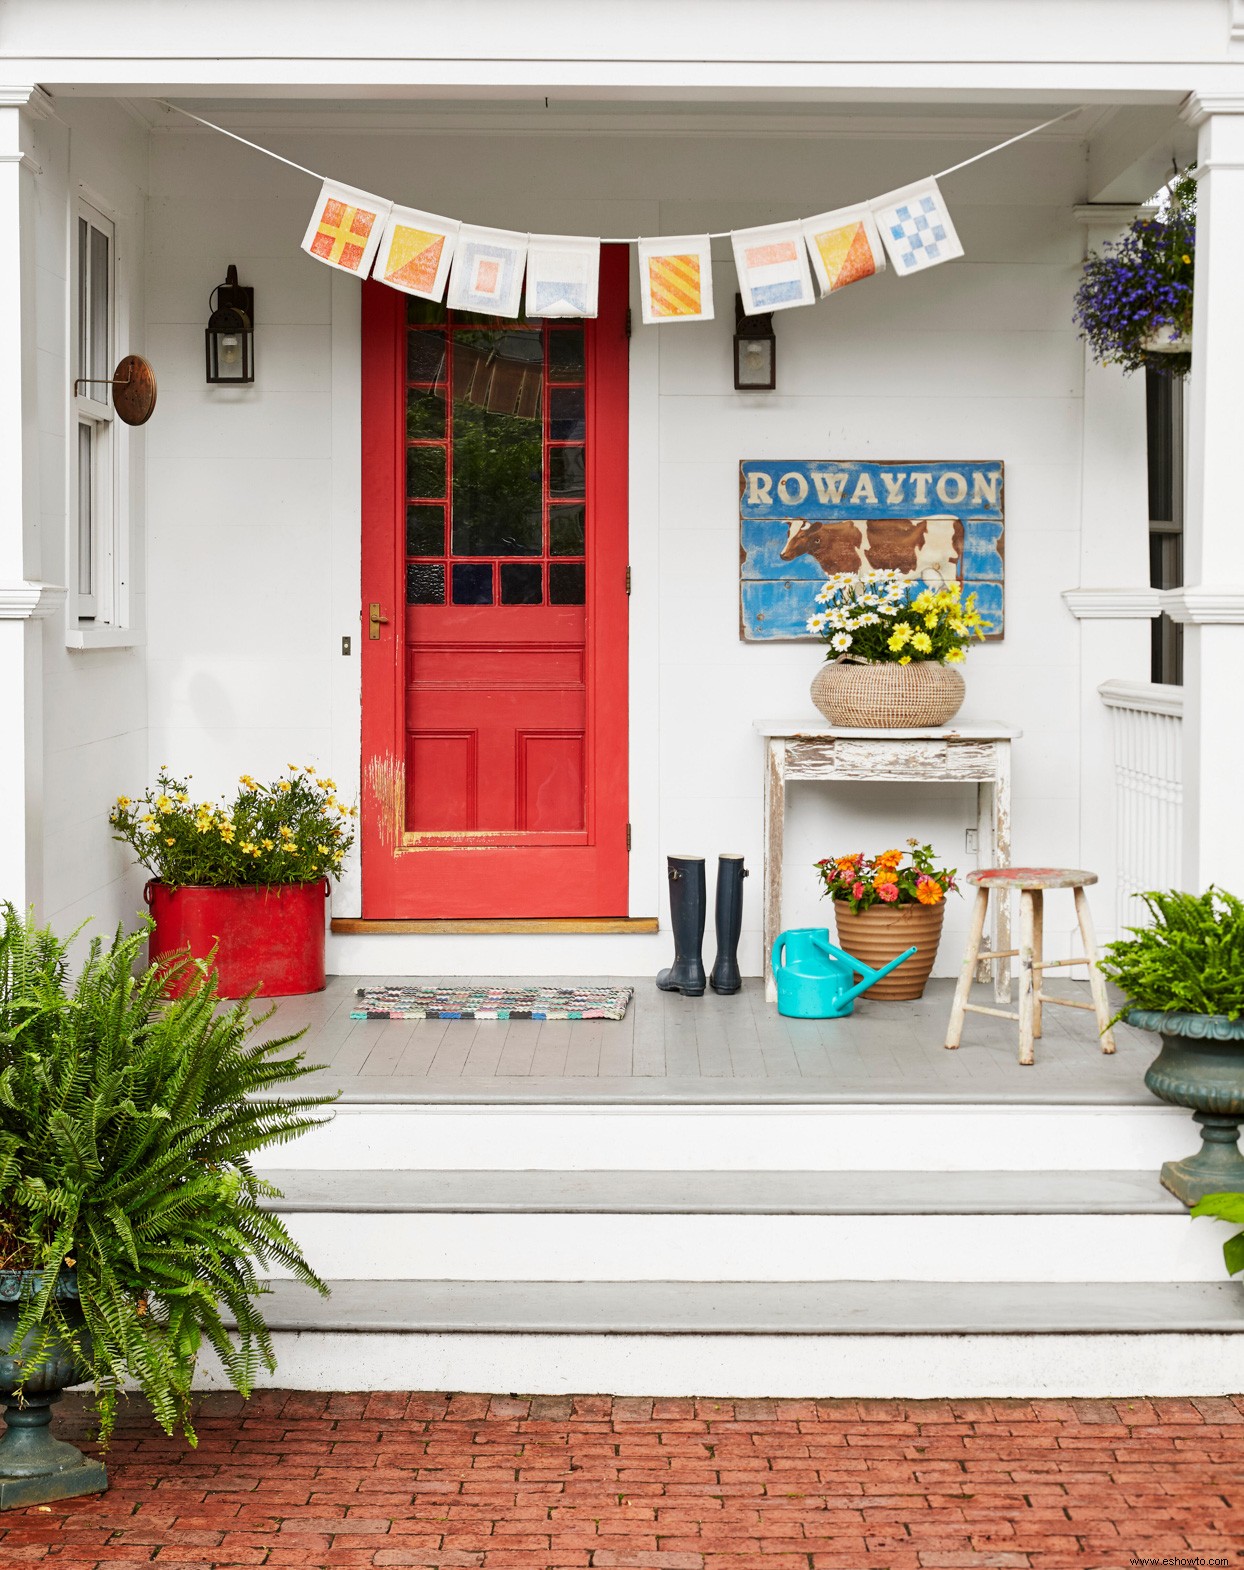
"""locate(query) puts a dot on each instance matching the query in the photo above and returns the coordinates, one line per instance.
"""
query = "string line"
(716, 234)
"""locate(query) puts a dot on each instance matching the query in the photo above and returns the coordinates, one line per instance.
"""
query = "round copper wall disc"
(134, 390)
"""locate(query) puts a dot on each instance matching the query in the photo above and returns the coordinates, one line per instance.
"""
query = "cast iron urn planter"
(35, 1468)
(1201, 1065)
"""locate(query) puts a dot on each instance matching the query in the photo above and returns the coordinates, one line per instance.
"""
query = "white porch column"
(23, 599)
(1211, 606)
(1113, 602)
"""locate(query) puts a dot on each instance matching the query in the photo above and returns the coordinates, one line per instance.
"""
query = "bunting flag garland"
(772, 264)
(845, 246)
(415, 252)
(345, 228)
(563, 275)
(487, 271)
(676, 279)
(916, 228)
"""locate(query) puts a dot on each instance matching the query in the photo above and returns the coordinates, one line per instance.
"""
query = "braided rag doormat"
(484, 1002)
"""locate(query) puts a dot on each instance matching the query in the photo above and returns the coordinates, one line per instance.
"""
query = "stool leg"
(1038, 954)
(955, 1028)
(1097, 982)
(1025, 977)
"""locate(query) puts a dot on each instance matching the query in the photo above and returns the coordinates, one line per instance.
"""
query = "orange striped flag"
(677, 279)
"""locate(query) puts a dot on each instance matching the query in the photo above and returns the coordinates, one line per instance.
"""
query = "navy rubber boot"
(725, 976)
(688, 907)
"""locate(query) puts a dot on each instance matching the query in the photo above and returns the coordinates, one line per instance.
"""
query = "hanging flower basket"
(1134, 303)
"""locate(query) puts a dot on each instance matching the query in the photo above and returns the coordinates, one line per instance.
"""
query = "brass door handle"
(375, 621)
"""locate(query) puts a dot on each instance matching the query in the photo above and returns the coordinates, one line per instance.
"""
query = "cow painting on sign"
(804, 519)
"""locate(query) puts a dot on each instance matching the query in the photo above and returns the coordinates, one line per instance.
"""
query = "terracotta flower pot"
(877, 935)
(888, 697)
(265, 940)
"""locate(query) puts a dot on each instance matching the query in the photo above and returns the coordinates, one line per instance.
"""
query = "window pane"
(84, 279)
(566, 530)
(425, 412)
(425, 583)
(100, 307)
(566, 471)
(473, 583)
(425, 357)
(425, 531)
(566, 414)
(498, 444)
(566, 583)
(86, 511)
(425, 472)
(522, 583)
(421, 311)
(566, 354)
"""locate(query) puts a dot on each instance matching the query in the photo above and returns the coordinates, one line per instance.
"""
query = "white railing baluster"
(1146, 719)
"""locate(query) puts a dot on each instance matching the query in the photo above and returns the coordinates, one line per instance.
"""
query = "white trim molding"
(1203, 606)
(32, 99)
(1145, 697)
(1199, 106)
(1109, 215)
(1113, 604)
(30, 601)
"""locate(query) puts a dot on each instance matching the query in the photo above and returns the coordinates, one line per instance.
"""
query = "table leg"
(775, 822)
(1001, 836)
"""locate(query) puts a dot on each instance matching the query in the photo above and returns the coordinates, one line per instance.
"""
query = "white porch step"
(765, 1227)
(745, 1338)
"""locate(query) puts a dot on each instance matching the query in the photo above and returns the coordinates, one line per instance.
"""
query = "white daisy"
(840, 641)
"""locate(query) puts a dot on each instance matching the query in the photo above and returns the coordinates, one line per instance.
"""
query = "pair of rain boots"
(688, 905)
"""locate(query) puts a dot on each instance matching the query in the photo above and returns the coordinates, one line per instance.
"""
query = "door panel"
(494, 545)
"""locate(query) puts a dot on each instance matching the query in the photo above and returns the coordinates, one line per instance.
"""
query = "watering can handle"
(779, 948)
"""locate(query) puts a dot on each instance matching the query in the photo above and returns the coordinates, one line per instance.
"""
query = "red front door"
(494, 625)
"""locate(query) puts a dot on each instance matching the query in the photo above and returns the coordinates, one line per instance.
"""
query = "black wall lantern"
(755, 350)
(230, 334)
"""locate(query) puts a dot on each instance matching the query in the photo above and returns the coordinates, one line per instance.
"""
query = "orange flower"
(928, 892)
(884, 878)
(845, 863)
(890, 859)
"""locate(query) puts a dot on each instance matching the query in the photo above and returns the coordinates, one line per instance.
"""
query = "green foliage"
(1191, 960)
(127, 1123)
(1227, 1207)
(292, 831)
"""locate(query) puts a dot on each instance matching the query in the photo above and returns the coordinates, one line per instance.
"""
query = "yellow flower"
(354, 812)
(286, 831)
(323, 849)
(248, 846)
(147, 820)
(123, 801)
(170, 840)
(268, 845)
(922, 643)
(955, 657)
(283, 785)
(325, 782)
(1187, 260)
(292, 766)
(290, 850)
(310, 771)
(164, 803)
(248, 780)
(930, 620)
(181, 796)
(906, 660)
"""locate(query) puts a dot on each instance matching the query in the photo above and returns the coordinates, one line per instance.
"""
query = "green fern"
(127, 1123)
(1227, 1207)
(1191, 959)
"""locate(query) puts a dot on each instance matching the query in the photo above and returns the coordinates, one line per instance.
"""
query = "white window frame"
(98, 602)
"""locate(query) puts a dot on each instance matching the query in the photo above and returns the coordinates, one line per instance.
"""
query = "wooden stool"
(1031, 883)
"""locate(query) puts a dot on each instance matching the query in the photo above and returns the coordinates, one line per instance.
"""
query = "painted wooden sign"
(803, 519)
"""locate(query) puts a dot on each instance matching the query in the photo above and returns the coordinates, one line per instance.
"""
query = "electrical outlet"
(345, 645)
(972, 840)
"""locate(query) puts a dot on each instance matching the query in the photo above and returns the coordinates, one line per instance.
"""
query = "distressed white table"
(820, 752)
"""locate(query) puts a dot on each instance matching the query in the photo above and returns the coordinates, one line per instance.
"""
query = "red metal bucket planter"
(267, 940)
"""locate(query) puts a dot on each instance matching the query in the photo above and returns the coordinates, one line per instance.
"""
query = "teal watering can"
(814, 979)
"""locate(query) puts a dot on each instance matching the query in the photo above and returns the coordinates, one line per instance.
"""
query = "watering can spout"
(869, 976)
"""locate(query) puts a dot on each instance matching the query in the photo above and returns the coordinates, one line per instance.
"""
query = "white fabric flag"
(563, 275)
(772, 264)
(916, 228)
(676, 279)
(487, 271)
(345, 228)
(415, 252)
(844, 245)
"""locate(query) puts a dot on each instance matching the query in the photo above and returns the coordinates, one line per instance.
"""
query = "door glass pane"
(566, 360)
(425, 472)
(425, 356)
(425, 531)
(566, 583)
(566, 471)
(472, 583)
(425, 413)
(497, 444)
(100, 307)
(425, 583)
(566, 530)
(522, 583)
(566, 414)
(86, 511)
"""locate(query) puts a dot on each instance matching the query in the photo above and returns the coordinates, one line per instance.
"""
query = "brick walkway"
(313, 1481)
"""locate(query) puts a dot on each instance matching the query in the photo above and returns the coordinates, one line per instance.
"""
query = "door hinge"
(628, 578)
(628, 321)
(628, 836)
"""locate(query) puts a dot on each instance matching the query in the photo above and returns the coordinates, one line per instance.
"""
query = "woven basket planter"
(888, 697)
(878, 934)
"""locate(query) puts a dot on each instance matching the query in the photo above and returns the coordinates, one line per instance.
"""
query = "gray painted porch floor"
(671, 1049)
